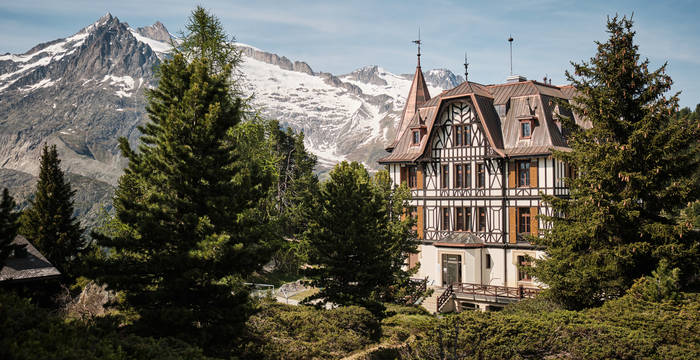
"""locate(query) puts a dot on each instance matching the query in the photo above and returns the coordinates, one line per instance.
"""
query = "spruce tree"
(49, 223)
(635, 171)
(359, 238)
(191, 220)
(9, 225)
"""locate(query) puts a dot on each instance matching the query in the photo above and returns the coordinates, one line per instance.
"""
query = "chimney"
(515, 79)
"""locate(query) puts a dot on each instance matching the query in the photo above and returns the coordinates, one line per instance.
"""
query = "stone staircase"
(430, 303)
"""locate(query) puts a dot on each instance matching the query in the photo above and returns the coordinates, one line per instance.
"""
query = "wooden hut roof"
(33, 266)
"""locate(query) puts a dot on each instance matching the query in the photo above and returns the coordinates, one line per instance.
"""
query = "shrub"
(29, 332)
(625, 328)
(301, 332)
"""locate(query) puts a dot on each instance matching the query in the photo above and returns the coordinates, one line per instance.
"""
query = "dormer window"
(526, 127)
(416, 137)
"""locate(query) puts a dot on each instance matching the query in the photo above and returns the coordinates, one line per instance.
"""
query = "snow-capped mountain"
(346, 117)
(84, 92)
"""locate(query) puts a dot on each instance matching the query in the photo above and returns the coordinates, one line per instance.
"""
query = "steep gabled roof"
(417, 96)
(525, 99)
(482, 101)
(405, 150)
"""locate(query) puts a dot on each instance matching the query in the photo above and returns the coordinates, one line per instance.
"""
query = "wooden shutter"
(419, 176)
(420, 222)
(533, 173)
(404, 174)
(534, 230)
(412, 260)
(512, 226)
(511, 174)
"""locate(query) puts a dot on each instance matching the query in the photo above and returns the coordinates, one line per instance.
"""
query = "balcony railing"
(495, 291)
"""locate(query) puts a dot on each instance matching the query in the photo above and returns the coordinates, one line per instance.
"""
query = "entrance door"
(451, 269)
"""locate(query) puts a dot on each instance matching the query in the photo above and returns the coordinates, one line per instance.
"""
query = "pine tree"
(49, 223)
(635, 171)
(191, 220)
(358, 239)
(9, 225)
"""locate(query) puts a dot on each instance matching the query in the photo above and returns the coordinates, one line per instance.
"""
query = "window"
(523, 220)
(445, 178)
(467, 175)
(482, 219)
(463, 176)
(488, 261)
(522, 273)
(468, 219)
(412, 177)
(459, 175)
(459, 219)
(525, 129)
(462, 135)
(445, 218)
(463, 219)
(481, 176)
(416, 137)
(458, 134)
(523, 173)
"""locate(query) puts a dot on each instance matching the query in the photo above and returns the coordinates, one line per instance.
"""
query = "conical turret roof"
(417, 96)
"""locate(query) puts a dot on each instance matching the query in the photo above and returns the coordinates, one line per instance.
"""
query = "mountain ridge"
(84, 91)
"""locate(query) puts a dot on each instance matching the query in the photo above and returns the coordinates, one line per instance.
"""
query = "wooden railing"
(496, 291)
(445, 297)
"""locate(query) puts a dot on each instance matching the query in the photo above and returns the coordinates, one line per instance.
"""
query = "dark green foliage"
(49, 223)
(295, 189)
(29, 332)
(8, 225)
(206, 39)
(636, 171)
(301, 332)
(297, 185)
(357, 238)
(626, 328)
(191, 208)
(663, 284)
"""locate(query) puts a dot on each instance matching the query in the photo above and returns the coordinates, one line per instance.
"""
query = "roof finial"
(418, 42)
(466, 67)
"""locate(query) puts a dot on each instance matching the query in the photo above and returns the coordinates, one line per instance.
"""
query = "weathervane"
(466, 67)
(418, 42)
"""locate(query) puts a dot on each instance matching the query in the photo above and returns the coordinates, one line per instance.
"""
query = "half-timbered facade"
(477, 158)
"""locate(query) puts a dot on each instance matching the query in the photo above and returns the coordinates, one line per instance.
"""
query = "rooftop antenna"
(418, 42)
(466, 67)
(510, 40)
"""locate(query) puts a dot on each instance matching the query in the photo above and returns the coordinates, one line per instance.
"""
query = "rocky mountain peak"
(157, 31)
(443, 78)
(106, 20)
(370, 74)
(81, 93)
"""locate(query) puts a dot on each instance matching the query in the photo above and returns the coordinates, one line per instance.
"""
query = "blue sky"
(340, 36)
